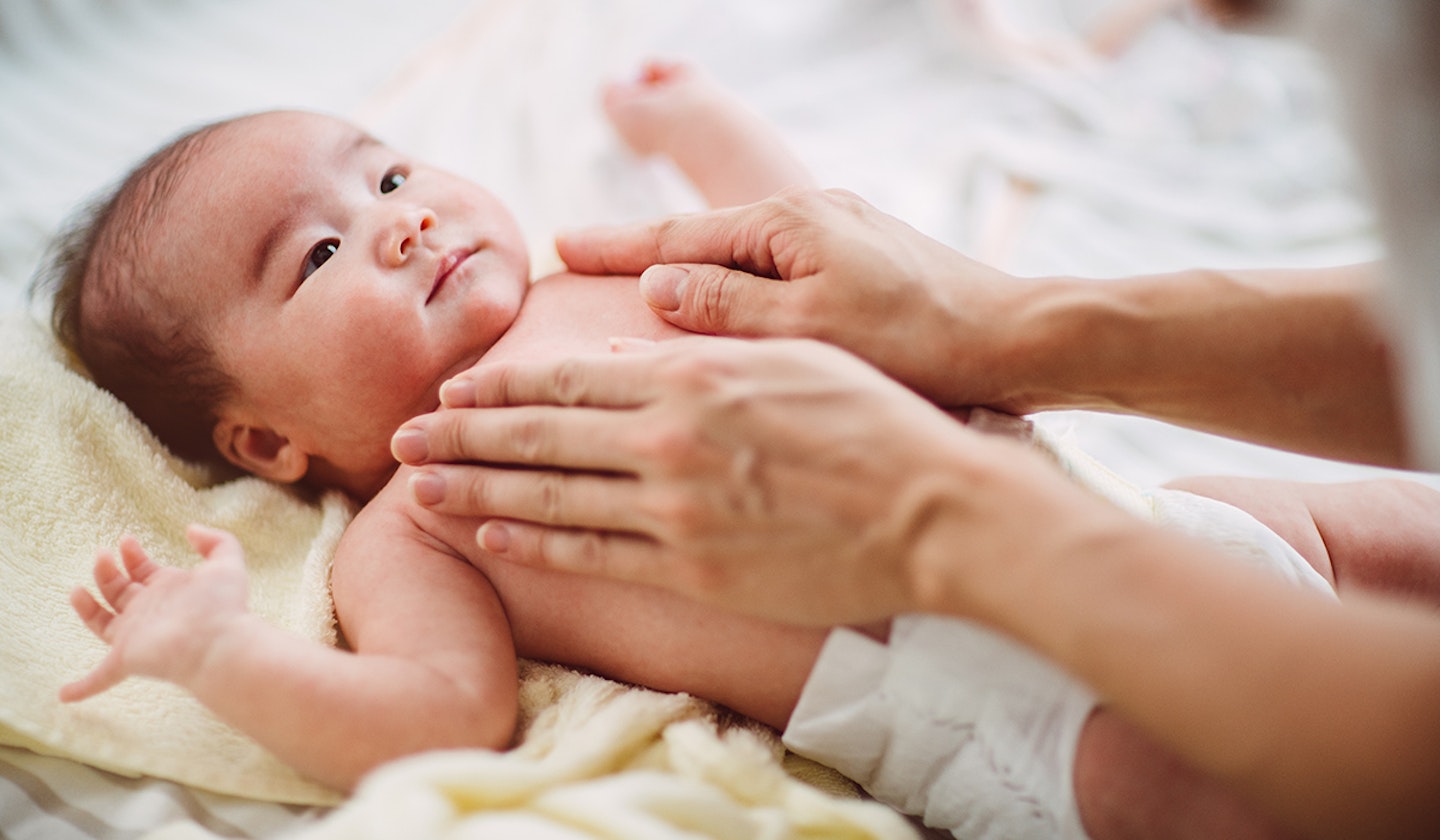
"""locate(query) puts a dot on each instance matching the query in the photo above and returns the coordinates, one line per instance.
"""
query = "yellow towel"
(77, 471)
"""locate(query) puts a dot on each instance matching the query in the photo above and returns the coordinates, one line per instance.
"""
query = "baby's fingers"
(215, 545)
(109, 579)
(95, 616)
(137, 563)
(101, 678)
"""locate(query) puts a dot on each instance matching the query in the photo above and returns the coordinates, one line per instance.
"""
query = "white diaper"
(1234, 532)
(951, 722)
(970, 730)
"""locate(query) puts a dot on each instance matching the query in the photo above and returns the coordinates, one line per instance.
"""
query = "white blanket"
(1191, 148)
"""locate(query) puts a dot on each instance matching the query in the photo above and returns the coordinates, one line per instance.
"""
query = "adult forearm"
(1287, 358)
(1322, 713)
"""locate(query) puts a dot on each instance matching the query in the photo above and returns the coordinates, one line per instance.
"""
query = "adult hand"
(827, 265)
(783, 478)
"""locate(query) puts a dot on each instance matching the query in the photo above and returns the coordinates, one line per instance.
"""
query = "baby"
(282, 291)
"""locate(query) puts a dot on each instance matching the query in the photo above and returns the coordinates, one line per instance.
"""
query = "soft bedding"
(1009, 141)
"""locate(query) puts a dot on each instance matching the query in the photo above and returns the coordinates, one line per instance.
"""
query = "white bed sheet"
(1191, 148)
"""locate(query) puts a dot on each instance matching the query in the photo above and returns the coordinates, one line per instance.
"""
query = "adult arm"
(1288, 358)
(790, 479)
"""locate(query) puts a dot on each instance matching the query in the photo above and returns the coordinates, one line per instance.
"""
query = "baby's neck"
(361, 485)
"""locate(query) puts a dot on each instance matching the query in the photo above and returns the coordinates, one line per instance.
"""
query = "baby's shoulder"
(394, 524)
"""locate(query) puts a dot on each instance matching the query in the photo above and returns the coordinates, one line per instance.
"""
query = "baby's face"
(342, 281)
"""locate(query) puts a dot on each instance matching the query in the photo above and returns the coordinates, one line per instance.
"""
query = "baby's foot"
(670, 105)
(727, 151)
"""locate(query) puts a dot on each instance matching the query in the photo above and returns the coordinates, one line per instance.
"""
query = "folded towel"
(79, 471)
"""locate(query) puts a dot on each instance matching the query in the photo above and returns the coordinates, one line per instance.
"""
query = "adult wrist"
(1050, 344)
(1000, 530)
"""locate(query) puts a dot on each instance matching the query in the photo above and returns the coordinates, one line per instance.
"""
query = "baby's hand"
(165, 621)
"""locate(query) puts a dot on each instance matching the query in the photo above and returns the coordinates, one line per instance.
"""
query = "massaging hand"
(827, 265)
(784, 478)
(160, 621)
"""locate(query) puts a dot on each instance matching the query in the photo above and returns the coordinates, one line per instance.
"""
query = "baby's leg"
(1128, 787)
(1382, 535)
(950, 721)
(728, 152)
(1379, 535)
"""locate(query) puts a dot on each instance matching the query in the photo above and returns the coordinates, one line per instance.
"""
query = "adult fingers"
(568, 438)
(713, 299)
(557, 498)
(603, 553)
(716, 236)
(619, 381)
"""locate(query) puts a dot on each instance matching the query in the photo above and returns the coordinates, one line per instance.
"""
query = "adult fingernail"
(663, 286)
(409, 446)
(458, 393)
(629, 344)
(493, 537)
(427, 488)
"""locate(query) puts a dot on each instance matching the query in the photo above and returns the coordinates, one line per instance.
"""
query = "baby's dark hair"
(105, 308)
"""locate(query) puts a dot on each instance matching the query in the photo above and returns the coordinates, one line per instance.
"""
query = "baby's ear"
(262, 451)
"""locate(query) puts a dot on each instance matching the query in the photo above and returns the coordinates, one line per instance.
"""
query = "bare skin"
(405, 577)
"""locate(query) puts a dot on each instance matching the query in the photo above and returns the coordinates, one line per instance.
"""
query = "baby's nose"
(404, 234)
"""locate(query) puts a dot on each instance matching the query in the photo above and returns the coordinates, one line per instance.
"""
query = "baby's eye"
(392, 181)
(318, 255)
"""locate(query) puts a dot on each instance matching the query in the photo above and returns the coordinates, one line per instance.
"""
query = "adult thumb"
(713, 299)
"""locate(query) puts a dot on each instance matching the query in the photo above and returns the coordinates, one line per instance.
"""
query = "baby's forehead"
(284, 139)
(258, 165)
(248, 176)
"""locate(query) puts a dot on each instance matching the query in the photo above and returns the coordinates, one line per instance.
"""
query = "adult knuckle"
(475, 490)
(668, 233)
(528, 440)
(712, 298)
(669, 447)
(694, 373)
(572, 550)
(550, 497)
(589, 550)
(682, 516)
(570, 382)
(447, 436)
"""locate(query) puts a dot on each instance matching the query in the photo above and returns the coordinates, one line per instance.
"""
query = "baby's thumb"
(713, 299)
(216, 545)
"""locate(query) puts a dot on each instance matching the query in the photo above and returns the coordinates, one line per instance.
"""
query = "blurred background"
(1091, 137)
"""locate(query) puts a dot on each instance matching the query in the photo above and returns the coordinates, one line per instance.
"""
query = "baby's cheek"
(500, 307)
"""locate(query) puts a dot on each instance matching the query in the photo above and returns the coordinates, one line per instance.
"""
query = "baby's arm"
(433, 665)
(1380, 535)
(729, 152)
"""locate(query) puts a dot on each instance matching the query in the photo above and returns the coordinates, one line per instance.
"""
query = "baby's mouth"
(446, 268)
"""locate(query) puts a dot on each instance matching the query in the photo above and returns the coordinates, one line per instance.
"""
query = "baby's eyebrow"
(277, 232)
